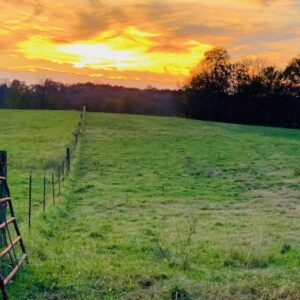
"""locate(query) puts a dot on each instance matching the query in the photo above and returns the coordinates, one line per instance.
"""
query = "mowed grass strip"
(168, 208)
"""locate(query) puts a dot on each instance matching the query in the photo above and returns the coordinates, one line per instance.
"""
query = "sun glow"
(99, 56)
(131, 50)
(158, 42)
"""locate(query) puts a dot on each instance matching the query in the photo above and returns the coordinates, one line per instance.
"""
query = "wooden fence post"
(3, 173)
(3, 163)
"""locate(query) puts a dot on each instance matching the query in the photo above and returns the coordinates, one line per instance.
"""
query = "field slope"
(168, 208)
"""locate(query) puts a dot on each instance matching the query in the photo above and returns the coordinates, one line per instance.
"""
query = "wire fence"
(44, 185)
(49, 183)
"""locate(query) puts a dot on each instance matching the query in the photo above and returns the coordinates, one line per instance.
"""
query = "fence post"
(76, 139)
(68, 160)
(53, 189)
(3, 172)
(3, 162)
(58, 179)
(44, 194)
(63, 173)
(29, 198)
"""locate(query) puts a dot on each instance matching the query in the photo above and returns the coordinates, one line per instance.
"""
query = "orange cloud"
(151, 41)
(127, 51)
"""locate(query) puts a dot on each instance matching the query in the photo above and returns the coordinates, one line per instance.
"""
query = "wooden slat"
(2, 178)
(3, 225)
(11, 275)
(9, 247)
(4, 200)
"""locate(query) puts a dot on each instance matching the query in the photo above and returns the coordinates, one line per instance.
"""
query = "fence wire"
(44, 185)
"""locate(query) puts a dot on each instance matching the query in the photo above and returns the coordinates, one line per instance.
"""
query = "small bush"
(97, 236)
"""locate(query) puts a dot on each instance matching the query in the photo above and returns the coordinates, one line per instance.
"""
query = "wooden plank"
(2, 178)
(12, 274)
(4, 200)
(3, 225)
(10, 246)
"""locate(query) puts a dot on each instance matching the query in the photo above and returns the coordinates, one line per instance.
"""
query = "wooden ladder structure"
(12, 249)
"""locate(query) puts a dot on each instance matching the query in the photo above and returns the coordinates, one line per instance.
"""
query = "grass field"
(160, 208)
(34, 140)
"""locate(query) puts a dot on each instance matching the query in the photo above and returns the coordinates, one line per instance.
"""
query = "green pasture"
(158, 208)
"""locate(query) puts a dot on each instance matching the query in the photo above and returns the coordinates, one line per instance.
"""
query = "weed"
(176, 246)
(250, 255)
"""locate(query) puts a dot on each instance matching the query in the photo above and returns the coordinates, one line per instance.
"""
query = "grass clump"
(285, 248)
(243, 258)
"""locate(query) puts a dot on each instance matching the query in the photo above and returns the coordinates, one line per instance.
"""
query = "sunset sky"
(138, 43)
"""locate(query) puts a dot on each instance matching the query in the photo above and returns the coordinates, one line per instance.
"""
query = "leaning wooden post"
(29, 198)
(44, 193)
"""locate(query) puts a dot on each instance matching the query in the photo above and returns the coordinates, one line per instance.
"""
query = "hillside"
(160, 208)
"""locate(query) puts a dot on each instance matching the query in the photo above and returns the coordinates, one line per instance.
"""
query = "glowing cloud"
(156, 42)
(129, 51)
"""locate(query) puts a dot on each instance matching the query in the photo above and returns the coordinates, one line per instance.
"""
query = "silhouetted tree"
(4, 95)
(245, 92)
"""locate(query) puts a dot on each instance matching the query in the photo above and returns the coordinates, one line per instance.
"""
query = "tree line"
(246, 92)
(96, 97)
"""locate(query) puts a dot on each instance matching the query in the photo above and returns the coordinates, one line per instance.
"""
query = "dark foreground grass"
(167, 208)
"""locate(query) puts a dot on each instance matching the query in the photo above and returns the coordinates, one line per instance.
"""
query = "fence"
(12, 248)
(47, 184)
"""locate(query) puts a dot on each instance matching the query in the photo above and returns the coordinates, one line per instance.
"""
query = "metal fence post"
(68, 160)
(29, 198)
(44, 193)
(53, 189)
(63, 173)
(58, 179)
